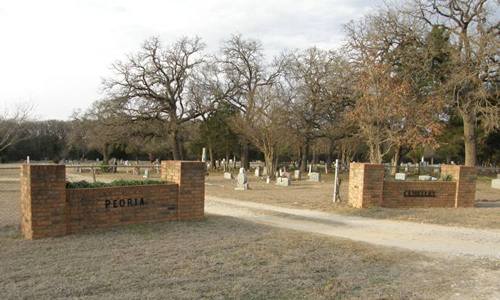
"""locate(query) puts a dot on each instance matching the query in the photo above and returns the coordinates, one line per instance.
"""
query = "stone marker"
(228, 175)
(242, 181)
(297, 174)
(315, 176)
(146, 174)
(400, 176)
(424, 177)
(495, 183)
(204, 154)
(257, 171)
(268, 180)
(283, 181)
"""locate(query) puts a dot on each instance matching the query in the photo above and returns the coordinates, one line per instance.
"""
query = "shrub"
(447, 177)
(121, 182)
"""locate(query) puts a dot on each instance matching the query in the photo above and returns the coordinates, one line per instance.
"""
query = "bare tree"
(11, 125)
(245, 69)
(153, 85)
(265, 123)
(310, 74)
(472, 86)
(98, 129)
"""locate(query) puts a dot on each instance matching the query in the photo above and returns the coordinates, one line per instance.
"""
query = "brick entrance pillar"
(465, 177)
(366, 184)
(43, 200)
(190, 176)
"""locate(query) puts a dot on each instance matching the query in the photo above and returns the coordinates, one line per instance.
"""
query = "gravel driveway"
(407, 235)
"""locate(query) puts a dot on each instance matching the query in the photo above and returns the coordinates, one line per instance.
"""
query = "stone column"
(190, 176)
(43, 200)
(465, 177)
(366, 184)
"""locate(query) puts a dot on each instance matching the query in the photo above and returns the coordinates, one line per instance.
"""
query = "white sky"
(53, 53)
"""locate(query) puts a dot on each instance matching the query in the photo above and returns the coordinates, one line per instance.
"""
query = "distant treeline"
(52, 140)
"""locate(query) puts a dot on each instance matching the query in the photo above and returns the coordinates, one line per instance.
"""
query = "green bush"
(447, 177)
(121, 182)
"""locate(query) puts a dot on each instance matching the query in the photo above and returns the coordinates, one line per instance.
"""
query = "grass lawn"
(223, 257)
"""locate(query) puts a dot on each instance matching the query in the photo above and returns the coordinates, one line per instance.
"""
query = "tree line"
(416, 80)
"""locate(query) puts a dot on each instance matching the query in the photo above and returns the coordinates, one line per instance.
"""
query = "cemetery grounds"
(227, 257)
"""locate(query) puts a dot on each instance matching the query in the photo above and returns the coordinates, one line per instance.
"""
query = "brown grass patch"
(223, 257)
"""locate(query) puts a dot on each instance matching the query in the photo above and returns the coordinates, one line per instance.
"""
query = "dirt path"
(413, 236)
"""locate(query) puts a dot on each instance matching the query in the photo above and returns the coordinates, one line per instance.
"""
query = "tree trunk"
(211, 154)
(270, 165)
(329, 158)
(469, 120)
(395, 160)
(244, 155)
(105, 155)
(305, 155)
(175, 144)
(375, 153)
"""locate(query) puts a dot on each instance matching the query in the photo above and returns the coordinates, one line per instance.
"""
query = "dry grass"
(228, 258)
(318, 196)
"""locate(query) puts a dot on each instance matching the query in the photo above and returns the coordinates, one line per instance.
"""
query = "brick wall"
(49, 209)
(111, 206)
(443, 194)
(465, 177)
(190, 176)
(43, 201)
(367, 188)
(366, 183)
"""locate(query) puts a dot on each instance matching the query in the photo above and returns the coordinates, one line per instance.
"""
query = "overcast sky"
(54, 53)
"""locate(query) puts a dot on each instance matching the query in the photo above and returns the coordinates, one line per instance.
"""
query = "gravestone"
(268, 180)
(297, 174)
(283, 181)
(228, 175)
(424, 177)
(315, 177)
(242, 181)
(204, 154)
(146, 174)
(257, 171)
(495, 183)
(400, 176)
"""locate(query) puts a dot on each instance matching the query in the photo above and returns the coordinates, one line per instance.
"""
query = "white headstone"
(400, 176)
(204, 154)
(297, 174)
(257, 171)
(242, 181)
(310, 169)
(424, 177)
(495, 183)
(283, 181)
(315, 177)
(146, 174)
(27, 159)
(228, 175)
(268, 180)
